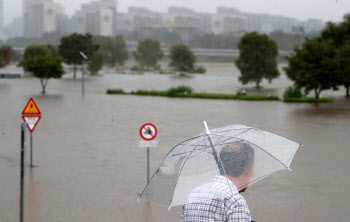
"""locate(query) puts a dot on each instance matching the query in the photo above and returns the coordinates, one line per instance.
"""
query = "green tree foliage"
(343, 59)
(44, 68)
(72, 45)
(148, 53)
(339, 34)
(33, 51)
(257, 59)
(121, 53)
(53, 49)
(5, 56)
(182, 58)
(212, 41)
(96, 62)
(113, 49)
(313, 67)
(36, 50)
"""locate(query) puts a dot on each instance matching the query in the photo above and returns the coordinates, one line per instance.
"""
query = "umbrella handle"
(206, 128)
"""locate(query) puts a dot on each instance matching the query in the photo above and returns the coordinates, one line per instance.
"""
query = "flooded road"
(89, 166)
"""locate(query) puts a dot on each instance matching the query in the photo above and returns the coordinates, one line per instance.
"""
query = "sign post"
(31, 115)
(21, 202)
(148, 132)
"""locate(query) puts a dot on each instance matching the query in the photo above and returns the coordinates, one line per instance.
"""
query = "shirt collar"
(225, 180)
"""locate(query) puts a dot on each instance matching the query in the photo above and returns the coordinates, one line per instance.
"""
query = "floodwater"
(89, 166)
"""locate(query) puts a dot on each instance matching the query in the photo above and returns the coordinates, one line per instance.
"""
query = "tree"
(72, 45)
(339, 35)
(36, 50)
(148, 53)
(5, 56)
(33, 51)
(343, 59)
(257, 59)
(114, 49)
(314, 66)
(182, 58)
(121, 53)
(96, 62)
(44, 68)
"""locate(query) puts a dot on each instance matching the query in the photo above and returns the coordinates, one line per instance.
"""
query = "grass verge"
(307, 100)
(169, 93)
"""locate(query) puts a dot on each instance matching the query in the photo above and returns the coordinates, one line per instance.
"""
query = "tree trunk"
(43, 85)
(317, 95)
(75, 69)
(347, 91)
(258, 84)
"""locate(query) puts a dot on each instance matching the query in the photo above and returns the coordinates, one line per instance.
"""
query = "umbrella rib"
(181, 171)
(267, 153)
(164, 160)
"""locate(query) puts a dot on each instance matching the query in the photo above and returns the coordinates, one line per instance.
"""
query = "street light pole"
(83, 79)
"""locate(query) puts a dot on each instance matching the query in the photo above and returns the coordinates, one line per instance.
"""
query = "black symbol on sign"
(148, 131)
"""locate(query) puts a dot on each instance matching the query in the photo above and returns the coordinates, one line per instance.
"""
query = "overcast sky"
(327, 10)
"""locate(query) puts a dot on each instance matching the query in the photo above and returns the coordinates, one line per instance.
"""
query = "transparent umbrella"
(196, 161)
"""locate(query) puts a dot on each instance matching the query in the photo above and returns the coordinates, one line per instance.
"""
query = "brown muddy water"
(89, 166)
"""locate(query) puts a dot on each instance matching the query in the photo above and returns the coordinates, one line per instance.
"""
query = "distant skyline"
(326, 10)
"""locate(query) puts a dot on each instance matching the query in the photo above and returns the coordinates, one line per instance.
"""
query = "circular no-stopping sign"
(148, 131)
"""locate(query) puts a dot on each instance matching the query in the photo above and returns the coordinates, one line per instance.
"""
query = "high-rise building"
(227, 21)
(2, 19)
(97, 18)
(39, 17)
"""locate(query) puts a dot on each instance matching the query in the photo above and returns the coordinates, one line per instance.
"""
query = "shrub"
(200, 69)
(115, 91)
(292, 92)
(137, 68)
(179, 90)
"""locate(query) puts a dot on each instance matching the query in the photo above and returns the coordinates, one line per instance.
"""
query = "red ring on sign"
(155, 131)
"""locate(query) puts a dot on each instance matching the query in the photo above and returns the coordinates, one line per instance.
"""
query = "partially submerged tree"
(72, 45)
(33, 51)
(5, 56)
(44, 68)
(257, 58)
(182, 58)
(96, 62)
(148, 53)
(314, 66)
(113, 49)
(339, 35)
(121, 53)
(343, 59)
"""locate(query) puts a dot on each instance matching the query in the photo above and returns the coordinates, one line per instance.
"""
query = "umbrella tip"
(206, 128)
(169, 208)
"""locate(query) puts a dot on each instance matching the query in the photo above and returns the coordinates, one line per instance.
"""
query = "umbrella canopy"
(196, 161)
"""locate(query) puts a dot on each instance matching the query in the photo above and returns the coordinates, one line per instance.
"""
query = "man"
(219, 200)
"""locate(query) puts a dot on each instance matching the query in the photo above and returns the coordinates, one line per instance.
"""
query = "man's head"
(236, 158)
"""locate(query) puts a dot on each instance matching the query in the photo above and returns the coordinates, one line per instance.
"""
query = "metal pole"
(83, 80)
(31, 150)
(22, 174)
(147, 165)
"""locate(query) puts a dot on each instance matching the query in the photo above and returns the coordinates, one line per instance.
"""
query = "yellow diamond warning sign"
(31, 115)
